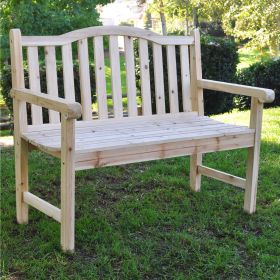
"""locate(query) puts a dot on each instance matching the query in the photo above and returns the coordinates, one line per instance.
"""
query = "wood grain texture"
(130, 76)
(100, 78)
(51, 76)
(116, 76)
(34, 82)
(84, 79)
(145, 77)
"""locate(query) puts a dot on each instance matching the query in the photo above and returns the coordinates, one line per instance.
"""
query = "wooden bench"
(81, 142)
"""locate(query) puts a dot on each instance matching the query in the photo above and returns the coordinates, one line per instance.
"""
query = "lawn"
(249, 56)
(141, 221)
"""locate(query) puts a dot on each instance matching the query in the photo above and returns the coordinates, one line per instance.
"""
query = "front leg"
(67, 183)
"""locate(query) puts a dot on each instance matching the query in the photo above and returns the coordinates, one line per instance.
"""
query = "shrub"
(6, 84)
(219, 61)
(262, 74)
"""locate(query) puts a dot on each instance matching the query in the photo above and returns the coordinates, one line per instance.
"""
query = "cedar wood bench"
(82, 142)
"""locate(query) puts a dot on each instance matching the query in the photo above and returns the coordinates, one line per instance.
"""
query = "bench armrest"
(264, 95)
(73, 110)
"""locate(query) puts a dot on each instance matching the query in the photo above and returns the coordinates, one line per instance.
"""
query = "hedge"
(261, 74)
(219, 61)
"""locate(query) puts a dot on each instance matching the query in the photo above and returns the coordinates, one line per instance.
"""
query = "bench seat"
(115, 141)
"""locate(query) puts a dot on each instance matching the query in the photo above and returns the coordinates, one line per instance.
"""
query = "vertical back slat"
(68, 75)
(196, 73)
(34, 82)
(51, 77)
(159, 82)
(145, 77)
(84, 79)
(172, 79)
(130, 76)
(185, 78)
(115, 76)
(100, 78)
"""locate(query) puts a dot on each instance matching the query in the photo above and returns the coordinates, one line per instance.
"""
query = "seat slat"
(130, 76)
(100, 78)
(159, 82)
(115, 76)
(51, 77)
(84, 79)
(34, 82)
(68, 75)
(145, 77)
(172, 79)
(185, 78)
(92, 138)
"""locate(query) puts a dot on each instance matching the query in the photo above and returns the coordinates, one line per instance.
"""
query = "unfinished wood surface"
(145, 77)
(42, 205)
(116, 76)
(84, 79)
(222, 176)
(159, 81)
(130, 76)
(51, 77)
(263, 94)
(116, 135)
(172, 80)
(185, 78)
(253, 157)
(34, 82)
(196, 74)
(20, 125)
(72, 109)
(68, 75)
(100, 78)
(197, 105)
(67, 184)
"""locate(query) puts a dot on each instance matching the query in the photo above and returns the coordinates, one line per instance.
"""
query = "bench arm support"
(72, 110)
(264, 95)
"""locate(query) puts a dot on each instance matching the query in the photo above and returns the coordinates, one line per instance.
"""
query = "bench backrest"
(94, 37)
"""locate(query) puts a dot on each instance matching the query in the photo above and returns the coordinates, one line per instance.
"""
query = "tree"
(45, 17)
(256, 20)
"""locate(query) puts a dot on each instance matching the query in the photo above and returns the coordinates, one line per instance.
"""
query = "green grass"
(141, 221)
(248, 56)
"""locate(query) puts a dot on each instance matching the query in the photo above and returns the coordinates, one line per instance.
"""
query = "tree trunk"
(187, 18)
(195, 18)
(162, 19)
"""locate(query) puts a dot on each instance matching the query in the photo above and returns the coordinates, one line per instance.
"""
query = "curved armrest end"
(269, 96)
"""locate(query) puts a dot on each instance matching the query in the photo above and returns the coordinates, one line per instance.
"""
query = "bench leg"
(195, 176)
(253, 158)
(21, 170)
(251, 180)
(67, 185)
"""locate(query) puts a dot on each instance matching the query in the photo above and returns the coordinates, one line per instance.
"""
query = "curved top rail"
(29, 41)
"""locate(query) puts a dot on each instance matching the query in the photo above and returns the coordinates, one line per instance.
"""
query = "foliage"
(6, 84)
(262, 74)
(219, 61)
(45, 17)
(255, 20)
(141, 221)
